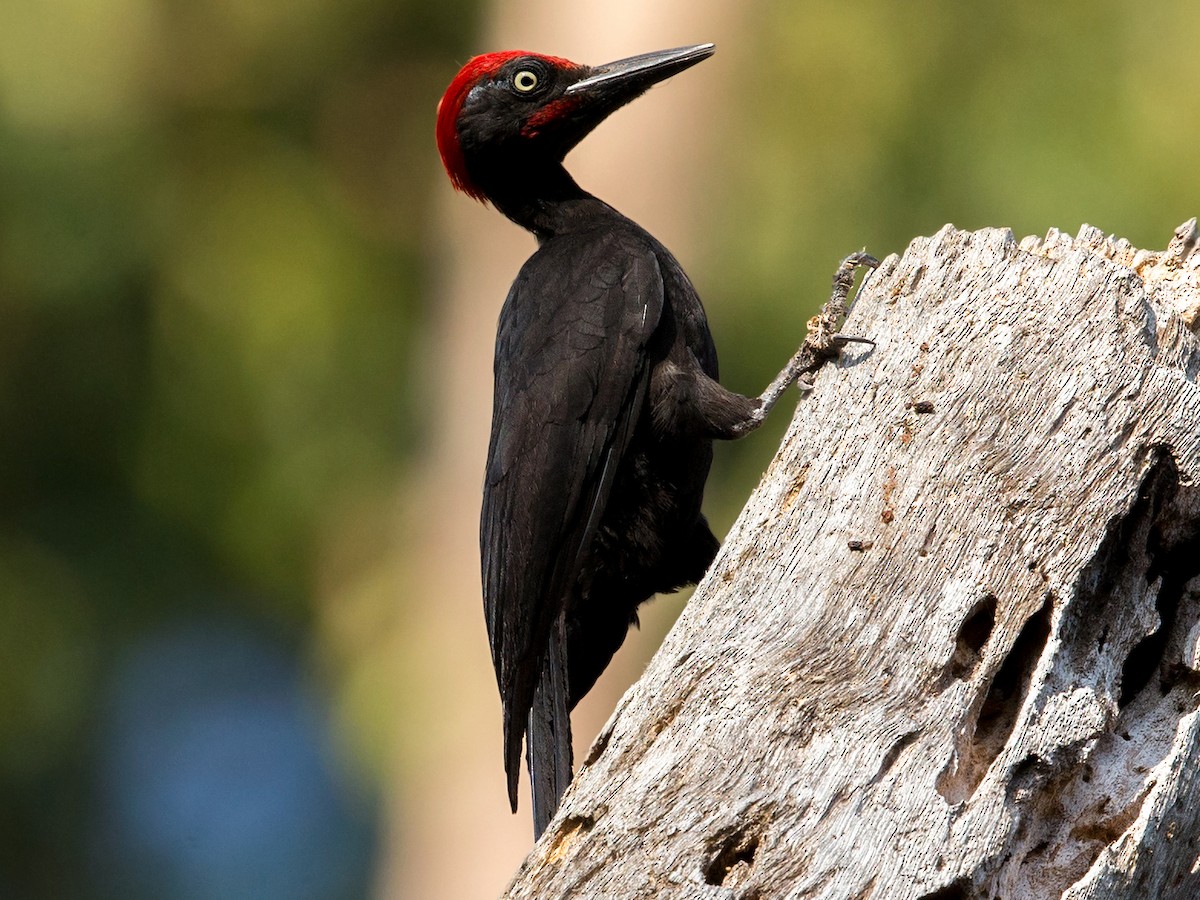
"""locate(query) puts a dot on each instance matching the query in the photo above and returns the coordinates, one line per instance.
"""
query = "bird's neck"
(543, 199)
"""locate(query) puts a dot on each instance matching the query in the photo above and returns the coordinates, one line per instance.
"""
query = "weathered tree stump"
(951, 648)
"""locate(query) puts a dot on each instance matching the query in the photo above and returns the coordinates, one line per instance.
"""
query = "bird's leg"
(683, 397)
(823, 340)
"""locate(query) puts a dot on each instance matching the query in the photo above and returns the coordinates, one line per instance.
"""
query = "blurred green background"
(221, 232)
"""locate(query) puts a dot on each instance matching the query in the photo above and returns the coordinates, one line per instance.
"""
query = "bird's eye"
(525, 81)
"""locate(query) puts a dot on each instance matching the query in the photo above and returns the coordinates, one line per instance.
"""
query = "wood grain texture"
(951, 648)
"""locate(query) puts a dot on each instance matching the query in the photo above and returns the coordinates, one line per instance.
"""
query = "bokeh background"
(245, 334)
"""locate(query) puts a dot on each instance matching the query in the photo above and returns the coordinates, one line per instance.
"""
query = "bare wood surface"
(951, 648)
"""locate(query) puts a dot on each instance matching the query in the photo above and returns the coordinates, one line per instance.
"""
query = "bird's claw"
(861, 258)
(835, 310)
(851, 339)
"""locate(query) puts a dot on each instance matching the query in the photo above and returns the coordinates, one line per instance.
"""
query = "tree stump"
(951, 648)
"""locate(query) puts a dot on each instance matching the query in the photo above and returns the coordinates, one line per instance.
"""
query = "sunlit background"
(245, 356)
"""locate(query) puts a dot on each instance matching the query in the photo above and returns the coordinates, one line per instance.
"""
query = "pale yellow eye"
(525, 81)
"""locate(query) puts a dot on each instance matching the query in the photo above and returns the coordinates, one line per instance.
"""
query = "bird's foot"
(823, 341)
(823, 332)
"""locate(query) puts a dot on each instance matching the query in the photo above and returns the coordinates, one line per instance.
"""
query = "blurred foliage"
(214, 220)
(865, 124)
(211, 265)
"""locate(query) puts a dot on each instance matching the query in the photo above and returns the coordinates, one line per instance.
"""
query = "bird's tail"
(548, 733)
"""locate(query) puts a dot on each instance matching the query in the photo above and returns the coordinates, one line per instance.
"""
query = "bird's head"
(516, 112)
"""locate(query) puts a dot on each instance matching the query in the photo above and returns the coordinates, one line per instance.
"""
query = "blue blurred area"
(215, 778)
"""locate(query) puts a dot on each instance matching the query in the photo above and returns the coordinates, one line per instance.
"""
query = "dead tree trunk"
(951, 649)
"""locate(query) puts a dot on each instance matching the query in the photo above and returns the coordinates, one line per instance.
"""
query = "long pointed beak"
(629, 77)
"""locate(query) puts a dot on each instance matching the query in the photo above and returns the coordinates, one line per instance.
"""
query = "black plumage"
(606, 400)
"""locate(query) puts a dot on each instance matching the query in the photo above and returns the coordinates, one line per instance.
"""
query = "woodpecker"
(606, 399)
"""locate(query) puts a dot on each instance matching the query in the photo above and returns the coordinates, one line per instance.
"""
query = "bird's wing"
(571, 377)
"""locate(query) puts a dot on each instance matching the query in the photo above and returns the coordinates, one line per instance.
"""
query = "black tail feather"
(548, 734)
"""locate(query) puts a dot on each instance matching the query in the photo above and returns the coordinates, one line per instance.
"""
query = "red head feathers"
(451, 105)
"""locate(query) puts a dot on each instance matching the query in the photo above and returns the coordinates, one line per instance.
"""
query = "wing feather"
(571, 380)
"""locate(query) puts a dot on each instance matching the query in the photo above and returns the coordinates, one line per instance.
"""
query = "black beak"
(601, 90)
(625, 79)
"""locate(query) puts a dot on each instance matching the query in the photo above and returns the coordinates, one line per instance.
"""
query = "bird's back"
(589, 508)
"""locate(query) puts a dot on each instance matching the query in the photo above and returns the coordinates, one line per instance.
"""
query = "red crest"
(451, 106)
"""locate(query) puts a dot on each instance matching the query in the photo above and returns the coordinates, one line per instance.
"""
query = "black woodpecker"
(606, 399)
